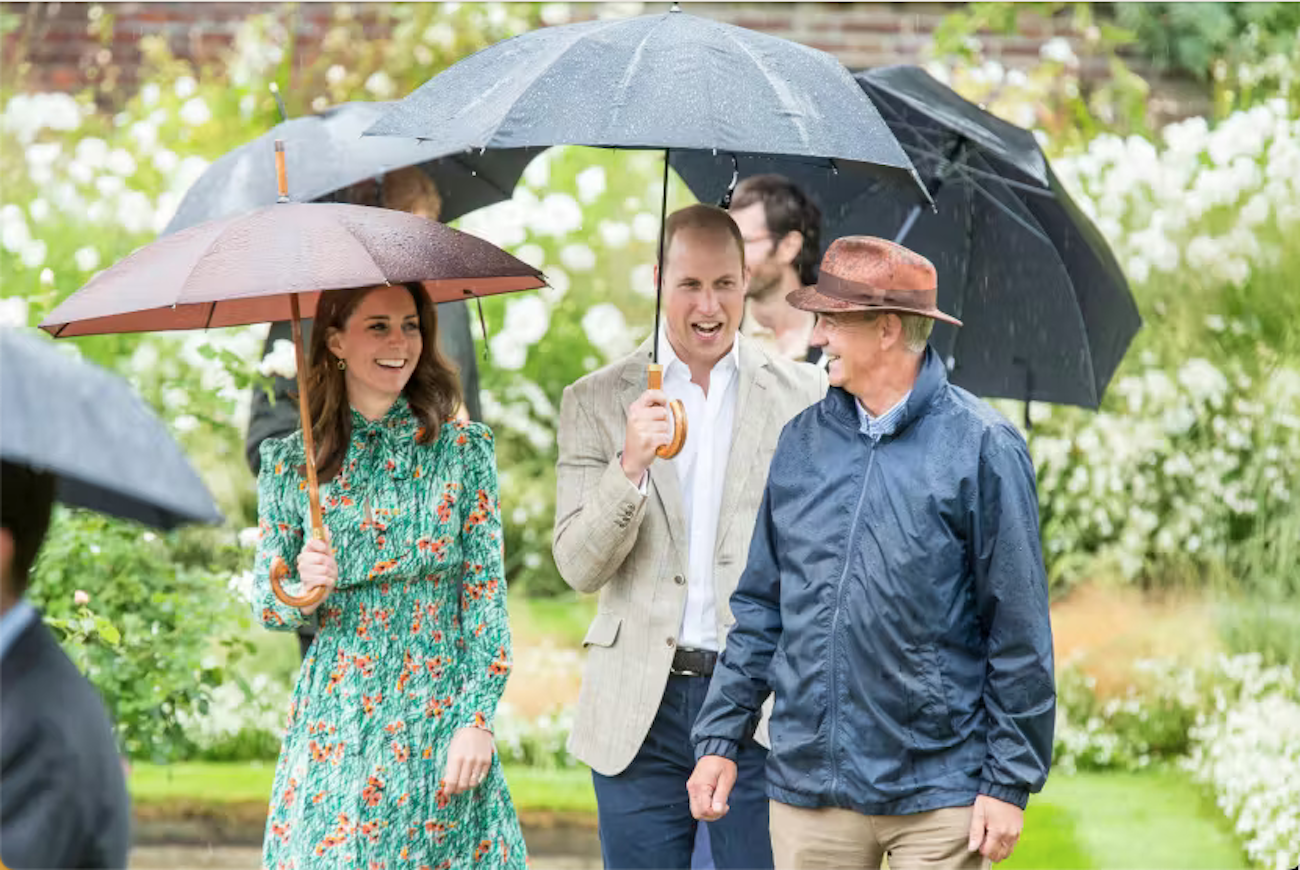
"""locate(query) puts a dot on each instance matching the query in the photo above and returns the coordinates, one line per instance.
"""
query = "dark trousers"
(644, 812)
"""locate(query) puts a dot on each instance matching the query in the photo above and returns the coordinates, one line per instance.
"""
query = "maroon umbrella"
(273, 264)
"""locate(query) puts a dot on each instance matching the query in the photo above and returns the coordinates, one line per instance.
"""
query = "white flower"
(280, 361)
(47, 277)
(80, 598)
(532, 254)
(165, 161)
(591, 183)
(381, 85)
(335, 74)
(13, 311)
(642, 280)
(92, 151)
(607, 330)
(527, 318)
(87, 259)
(645, 227)
(149, 95)
(186, 423)
(557, 215)
(578, 257)
(185, 87)
(249, 537)
(33, 254)
(195, 112)
(508, 353)
(440, 33)
(614, 234)
(121, 162)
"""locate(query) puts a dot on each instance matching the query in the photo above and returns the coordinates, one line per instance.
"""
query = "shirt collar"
(876, 428)
(668, 357)
(12, 624)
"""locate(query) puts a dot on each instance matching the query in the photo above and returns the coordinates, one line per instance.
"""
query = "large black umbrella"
(670, 81)
(1047, 311)
(326, 153)
(90, 429)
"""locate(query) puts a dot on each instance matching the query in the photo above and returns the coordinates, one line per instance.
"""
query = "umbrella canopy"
(244, 269)
(327, 153)
(273, 264)
(673, 81)
(1047, 311)
(96, 435)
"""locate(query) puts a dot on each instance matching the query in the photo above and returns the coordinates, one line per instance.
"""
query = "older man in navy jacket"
(894, 601)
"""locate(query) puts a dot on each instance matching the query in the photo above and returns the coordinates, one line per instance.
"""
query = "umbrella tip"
(676, 7)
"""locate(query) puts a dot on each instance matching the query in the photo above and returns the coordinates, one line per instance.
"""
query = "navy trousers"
(645, 814)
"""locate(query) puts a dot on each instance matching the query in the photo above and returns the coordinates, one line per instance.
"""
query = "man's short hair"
(26, 502)
(786, 209)
(916, 331)
(412, 190)
(703, 217)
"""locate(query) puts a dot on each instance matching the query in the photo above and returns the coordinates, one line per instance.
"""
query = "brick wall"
(65, 50)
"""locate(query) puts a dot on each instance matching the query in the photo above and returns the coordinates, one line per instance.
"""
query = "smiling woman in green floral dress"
(388, 757)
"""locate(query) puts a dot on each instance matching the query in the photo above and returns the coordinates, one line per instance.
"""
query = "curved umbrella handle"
(655, 381)
(279, 571)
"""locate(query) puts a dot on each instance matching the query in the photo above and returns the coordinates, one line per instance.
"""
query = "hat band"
(865, 294)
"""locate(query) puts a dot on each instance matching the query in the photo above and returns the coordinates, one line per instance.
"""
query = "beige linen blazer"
(632, 550)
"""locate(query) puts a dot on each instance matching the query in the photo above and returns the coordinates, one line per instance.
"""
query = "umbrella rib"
(960, 168)
(212, 309)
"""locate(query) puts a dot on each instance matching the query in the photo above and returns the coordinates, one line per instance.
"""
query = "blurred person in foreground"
(781, 227)
(388, 755)
(410, 190)
(63, 800)
(894, 601)
(663, 541)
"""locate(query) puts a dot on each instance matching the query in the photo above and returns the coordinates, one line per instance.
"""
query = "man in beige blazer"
(663, 542)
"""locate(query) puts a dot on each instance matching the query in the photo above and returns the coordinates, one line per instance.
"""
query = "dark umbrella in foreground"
(88, 428)
(273, 264)
(670, 81)
(1047, 312)
(327, 153)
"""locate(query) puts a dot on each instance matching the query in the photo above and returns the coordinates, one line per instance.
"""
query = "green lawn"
(1088, 821)
(1123, 821)
(532, 789)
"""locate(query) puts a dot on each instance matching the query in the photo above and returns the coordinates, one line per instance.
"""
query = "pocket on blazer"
(603, 630)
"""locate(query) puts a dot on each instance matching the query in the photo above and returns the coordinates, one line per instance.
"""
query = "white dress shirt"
(701, 471)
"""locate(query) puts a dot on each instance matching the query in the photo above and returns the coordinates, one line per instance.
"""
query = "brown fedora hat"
(864, 273)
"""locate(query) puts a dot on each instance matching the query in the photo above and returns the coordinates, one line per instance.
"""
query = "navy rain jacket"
(895, 603)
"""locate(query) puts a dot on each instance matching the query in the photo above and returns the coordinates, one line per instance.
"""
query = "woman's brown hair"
(433, 391)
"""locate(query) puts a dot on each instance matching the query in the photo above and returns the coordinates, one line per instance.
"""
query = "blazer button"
(679, 580)
(672, 642)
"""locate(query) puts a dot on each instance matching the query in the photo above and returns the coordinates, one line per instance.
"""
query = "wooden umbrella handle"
(279, 570)
(655, 380)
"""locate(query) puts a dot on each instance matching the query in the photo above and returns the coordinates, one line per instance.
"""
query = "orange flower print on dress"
(416, 624)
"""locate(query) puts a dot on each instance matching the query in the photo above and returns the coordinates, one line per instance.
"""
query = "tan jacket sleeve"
(597, 509)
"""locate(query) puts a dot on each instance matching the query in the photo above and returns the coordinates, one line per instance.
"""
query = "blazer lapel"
(753, 417)
(663, 477)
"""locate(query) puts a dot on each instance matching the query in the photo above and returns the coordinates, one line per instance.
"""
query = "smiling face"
(853, 344)
(381, 344)
(704, 294)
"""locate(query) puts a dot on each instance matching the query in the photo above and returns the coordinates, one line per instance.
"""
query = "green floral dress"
(413, 644)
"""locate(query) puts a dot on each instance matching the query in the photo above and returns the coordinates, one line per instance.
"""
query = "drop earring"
(343, 364)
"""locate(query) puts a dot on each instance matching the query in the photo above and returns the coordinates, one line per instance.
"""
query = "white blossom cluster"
(1189, 451)
(1247, 748)
(1195, 202)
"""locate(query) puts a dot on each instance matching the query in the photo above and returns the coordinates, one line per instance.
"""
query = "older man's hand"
(710, 786)
(995, 827)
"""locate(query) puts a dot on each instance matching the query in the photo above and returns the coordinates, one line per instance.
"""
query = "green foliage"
(148, 629)
(1192, 37)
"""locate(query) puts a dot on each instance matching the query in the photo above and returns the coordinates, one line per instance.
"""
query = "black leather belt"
(689, 662)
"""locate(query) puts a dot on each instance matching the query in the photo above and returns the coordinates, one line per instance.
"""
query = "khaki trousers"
(835, 839)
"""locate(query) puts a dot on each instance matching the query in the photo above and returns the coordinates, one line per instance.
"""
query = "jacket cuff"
(728, 749)
(1010, 794)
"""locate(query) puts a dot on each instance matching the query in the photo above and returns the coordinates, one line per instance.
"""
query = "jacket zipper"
(835, 623)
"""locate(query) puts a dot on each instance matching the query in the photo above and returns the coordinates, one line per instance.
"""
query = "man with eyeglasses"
(781, 227)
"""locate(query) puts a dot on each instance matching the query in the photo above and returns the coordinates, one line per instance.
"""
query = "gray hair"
(916, 331)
